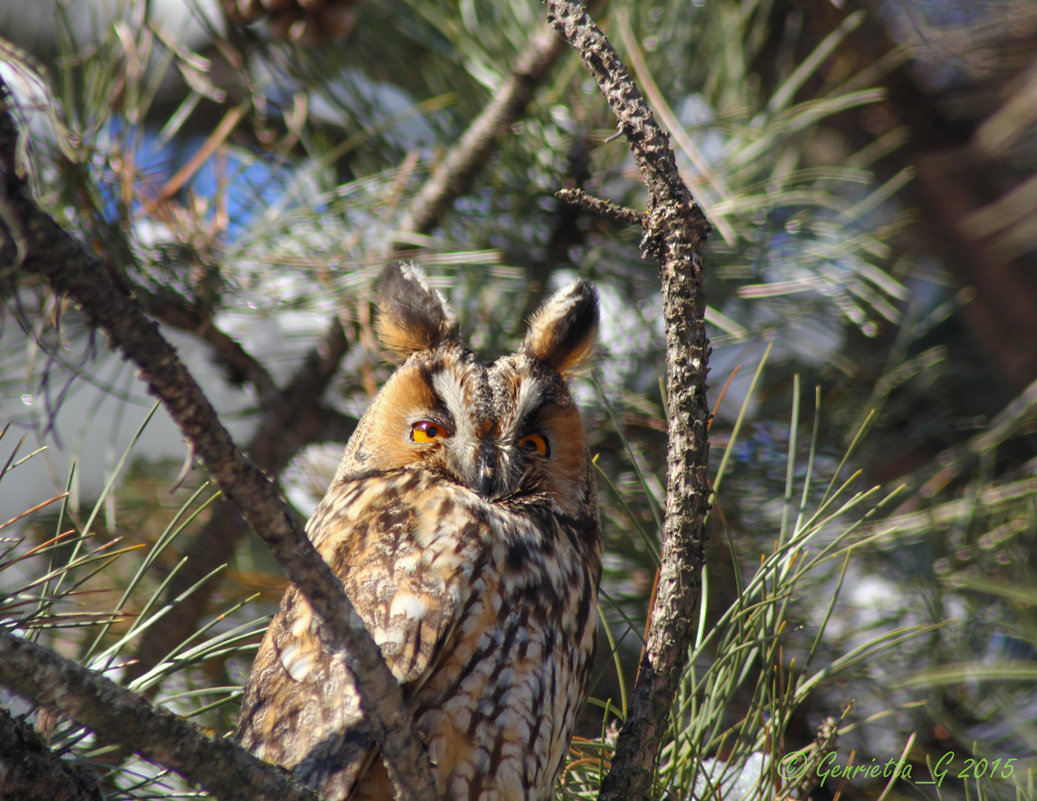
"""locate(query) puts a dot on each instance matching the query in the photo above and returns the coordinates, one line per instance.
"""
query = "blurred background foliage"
(245, 169)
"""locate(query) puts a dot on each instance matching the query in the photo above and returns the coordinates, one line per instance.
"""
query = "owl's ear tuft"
(412, 316)
(563, 331)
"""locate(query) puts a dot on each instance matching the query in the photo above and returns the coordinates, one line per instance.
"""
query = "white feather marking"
(529, 397)
(409, 605)
(450, 390)
(408, 563)
(389, 637)
(447, 561)
(296, 662)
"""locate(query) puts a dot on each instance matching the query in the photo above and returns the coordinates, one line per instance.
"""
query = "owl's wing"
(301, 709)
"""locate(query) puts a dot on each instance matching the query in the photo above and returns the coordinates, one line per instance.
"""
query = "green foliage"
(69, 581)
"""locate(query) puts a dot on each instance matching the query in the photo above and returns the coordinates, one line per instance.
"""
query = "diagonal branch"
(674, 233)
(28, 768)
(453, 176)
(118, 715)
(293, 418)
(280, 436)
(52, 253)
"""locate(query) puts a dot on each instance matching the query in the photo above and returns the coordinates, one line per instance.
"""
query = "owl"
(463, 524)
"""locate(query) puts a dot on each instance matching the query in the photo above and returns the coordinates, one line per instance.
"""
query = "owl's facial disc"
(503, 430)
(500, 439)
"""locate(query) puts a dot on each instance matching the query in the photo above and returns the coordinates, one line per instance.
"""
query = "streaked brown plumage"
(463, 523)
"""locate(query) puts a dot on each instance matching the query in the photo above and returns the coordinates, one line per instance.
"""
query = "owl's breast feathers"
(484, 612)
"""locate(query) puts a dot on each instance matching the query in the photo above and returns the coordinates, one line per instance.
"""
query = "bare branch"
(675, 232)
(71, 271)
(187, 318)
(600, 207)
(454, 175)
(274, 445)
(28, 769)
(118, 715)
(294, 417)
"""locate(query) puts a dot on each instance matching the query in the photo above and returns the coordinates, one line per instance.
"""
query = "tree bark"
(118, 715)
(28, 769)
(674, 233)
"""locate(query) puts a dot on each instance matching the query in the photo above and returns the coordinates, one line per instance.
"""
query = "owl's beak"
(476, 464)
(487, 468)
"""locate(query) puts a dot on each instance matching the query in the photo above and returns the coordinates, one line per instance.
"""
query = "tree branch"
(52, 253)
(294, 417)
(453, 176)
(674, 233)
(28, 769)
(600, 207)
(118, 715)
(190, 319)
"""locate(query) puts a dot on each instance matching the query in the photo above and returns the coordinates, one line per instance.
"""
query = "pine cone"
(304, 21)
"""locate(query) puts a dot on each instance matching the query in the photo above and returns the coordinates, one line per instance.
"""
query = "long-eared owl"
(463, 524)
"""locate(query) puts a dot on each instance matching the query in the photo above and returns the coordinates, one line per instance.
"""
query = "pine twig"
(675, 231)
(600, 207)
(118, 715)
(62, 260)
(453, 176)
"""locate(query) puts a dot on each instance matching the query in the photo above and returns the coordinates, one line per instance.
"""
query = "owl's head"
(503, 430)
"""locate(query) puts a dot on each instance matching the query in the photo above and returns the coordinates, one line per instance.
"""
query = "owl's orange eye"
(534, 442)
(426, 431)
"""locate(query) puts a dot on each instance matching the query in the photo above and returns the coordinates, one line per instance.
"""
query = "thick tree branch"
(118, 715)
(28, 769)
(293, 418)
(675, 231)
(52, 253)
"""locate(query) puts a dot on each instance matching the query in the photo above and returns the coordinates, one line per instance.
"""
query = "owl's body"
(463, 525)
